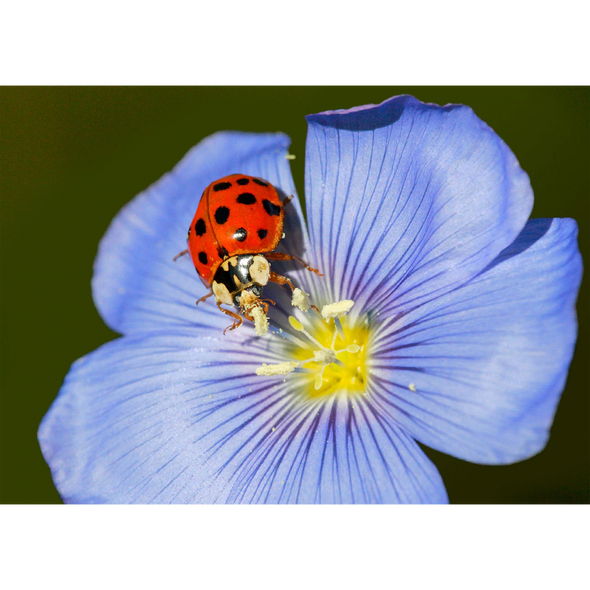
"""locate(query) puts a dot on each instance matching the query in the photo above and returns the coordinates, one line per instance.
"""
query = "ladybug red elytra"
(232, 238)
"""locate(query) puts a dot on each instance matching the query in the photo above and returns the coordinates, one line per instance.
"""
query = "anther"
(279, 369)
(335, 310)
(296, 324)
(300, 299)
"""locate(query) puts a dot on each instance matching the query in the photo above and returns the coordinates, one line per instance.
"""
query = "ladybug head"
(239, 280)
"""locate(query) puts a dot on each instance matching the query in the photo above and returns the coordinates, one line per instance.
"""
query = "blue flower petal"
(136, 285)
(405, 199)
(477, 373)
(168, 418)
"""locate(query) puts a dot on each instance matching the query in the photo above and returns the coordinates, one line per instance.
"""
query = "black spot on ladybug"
(200, 227)
(262, 233)
(221, 215)
(243, 181)
(222, 252)
(240, 234)
(246, 199)
(202, 257)
(269, 207)
(260, 182)
(221, 186)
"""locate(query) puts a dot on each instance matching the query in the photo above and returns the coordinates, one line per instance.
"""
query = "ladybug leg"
(238, 321)
(263, 304)
(280, 280)
(205, 297)
(282, 256)
(287, 200)
(179, 255)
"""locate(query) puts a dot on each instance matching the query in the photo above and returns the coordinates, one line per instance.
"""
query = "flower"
(455, 325)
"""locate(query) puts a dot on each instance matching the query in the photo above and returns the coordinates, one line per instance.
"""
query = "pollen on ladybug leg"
(260, 321)
(255, 310)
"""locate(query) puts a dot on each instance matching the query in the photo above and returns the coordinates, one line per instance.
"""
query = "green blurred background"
(72, 157)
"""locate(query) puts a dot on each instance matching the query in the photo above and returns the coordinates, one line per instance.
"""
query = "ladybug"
(231, 240)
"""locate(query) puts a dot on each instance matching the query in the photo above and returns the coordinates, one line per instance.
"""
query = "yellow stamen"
(295, 323)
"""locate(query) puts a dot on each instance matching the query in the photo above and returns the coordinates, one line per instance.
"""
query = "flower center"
(329, 353)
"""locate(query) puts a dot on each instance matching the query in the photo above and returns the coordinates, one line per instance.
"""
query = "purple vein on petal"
(269, 443)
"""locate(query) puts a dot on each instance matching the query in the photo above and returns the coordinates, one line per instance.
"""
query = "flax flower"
(456, 325)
